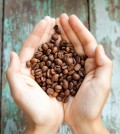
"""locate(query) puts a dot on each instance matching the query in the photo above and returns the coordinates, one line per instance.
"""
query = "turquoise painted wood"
(20, 18)
(105, 25)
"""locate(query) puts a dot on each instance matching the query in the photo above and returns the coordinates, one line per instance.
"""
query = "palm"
(88, 102)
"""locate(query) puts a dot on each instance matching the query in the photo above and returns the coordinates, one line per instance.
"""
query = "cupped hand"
(83, 112)
(41, 110)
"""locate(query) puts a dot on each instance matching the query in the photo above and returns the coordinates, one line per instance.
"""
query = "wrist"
(43, 129)
(95, 127)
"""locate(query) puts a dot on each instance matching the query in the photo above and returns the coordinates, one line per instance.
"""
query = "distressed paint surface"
(105, 25)
(20, 18)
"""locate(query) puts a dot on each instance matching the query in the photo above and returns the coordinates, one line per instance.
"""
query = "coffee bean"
(69, 61)
(52, 41)
(76, 76)
(44, 88)
(50, 91)
(67, 49)
(55, 37)
(77, 67)
(36, 67)
(48, 52)
(48, 63)
(73, 93)
(38, 72)
(44, 68)
(58, 88)
(55, 49)
(58, 31)
(44, 47)
(69, 78)
(55, 94)
(55, 77)
(33, 60)
(58, 61)
(77, 59)
(71, 72)
(28, 64)
(45, 58)
(48, 81)
(82, 62)
(65, 84)
(49, 74)
(33, 72)
(70, 86)
(65, 71)
(53, 71)
(42, 64)
(67, 92)
(74, 82)
(38, 80)
(59, 98)
(50, 45)
(60, 55)
(51, 58)
(65, 99)
(43, 79)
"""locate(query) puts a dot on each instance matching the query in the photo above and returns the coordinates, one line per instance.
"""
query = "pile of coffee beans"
(57, 68)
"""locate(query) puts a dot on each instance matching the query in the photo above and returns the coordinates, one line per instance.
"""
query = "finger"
(14, 65)
(104, 67)
(63, 35)
(32, 40)
(86, 38)
(71, 34)
(90, 65)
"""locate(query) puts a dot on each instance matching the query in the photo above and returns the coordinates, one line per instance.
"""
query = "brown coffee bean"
(44, 47)
(70, 67)
(49, 74)
(67, 49)
(52, 71)
(50, 91)
(55, 94)
(33, 60)
(77, 67)
(36, 66)
(44, 68)
(33, 72)
(65, 99)
(41, 64)
(53, 85)
(69, 78)
(58, 88)
(52, 41)
(73, 93)
(48, 52)
(38, 72)
(44, 74)
(55, 77)
(71, 72)
(55, 55)
(62, 94)
(51, 57)
(70, 86)
(67, 92)
(38, 80)
(45, 58)
(65, 84)
(58, 31)
(43, 79)
(44, 88)
(39, 48)
(48, 63)
(55, 37)
(28, 64)
(55, 49)
(82, 62)
(77, 59)
(58, 61)
(48, 81)
(38, 54)
(59, 98)
(65, 71)
(76, 76)
(74, 82)
(69, 61)
(60, 55)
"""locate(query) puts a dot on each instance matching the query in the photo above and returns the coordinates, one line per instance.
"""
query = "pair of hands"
(45, 114)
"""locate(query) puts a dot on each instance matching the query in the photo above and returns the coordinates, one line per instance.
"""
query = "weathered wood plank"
(105, 25)
(20, 18)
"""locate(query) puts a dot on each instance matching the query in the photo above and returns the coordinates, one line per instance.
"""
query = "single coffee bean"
(55, 77)
(77, 67)
(38, 54)
(62, 94)
(82, 62)
(51, 58)
(28, 64)
(58, 88)
(50, 45)
(60, 55)
(49, 74)
(55, 55)
(44, 88)
(59, 98)
(69, 61)
(53, 71)
(77, 59)
(65, 84)
(44, 68)
(53, 85)
(33, 72)
(58, 61)
(71, 72)
(71, 67)
(65, 99)
(55, 37)
(38, 80)
(41, 64)
(38, 72)
(48, 81)
(44, 47)
(44, 74)
(58, 31)
(67, 49)
(65, 71)
(70, 86)
(73, 93)
(74, 82)
(48, 63)
(50, 91)
(76, 76)
(45, 58)
(55, 49)
(43, 79)
(33, 60)
(48, 52)
(33, 65)
(52, 41)
(55, 94)
(67, 92)
(69, 78)
(36, 66)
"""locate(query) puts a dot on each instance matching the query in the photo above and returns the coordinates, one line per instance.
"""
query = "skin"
(83, 112)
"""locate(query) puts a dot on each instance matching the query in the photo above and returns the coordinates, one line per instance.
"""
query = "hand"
(83, 112)
(45, 114)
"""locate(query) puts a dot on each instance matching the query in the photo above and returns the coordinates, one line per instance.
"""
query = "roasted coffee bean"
(38, 72)
(71, 72)
(33, 72)
(55, 77)
(49, 74)
(69, 78)
(39, 48)
(43, 79)
(57, 30)
(65, 71)
(51, 57)
(73, 93)
(53, 65)
(44, 88)
(41, 64)
(59, 98)
(38, 80)
(55, 37)
(52, 71)
(50, 91)
(38, 76)
(48, 52)
(77, 59)
(44, 74)
(76, 76)
(74, 82)
(44, 47)
(55, 94)
(28, 64)
(55, 49)
(45, 58)
(82, 62)
(53, 85)
(58, 88)
(48, 81)
(67, 92)
(50, 45)
(48, 63)
(65, 99)
(58, 61)
(69, 61)
(77, 67)
(38, 54)
(70, 67)
(33, 60)
(60, 55)
(36, 66)
(70, 86)
(65, 84)
(44, 68)
(52, 41)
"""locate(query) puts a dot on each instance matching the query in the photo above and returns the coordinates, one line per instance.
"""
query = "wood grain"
(105, 25)
(20, 18)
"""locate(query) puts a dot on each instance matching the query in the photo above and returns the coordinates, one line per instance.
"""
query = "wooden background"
(18, 17)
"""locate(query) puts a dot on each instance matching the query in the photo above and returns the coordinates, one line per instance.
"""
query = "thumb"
(14, 65)
(104, 67)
